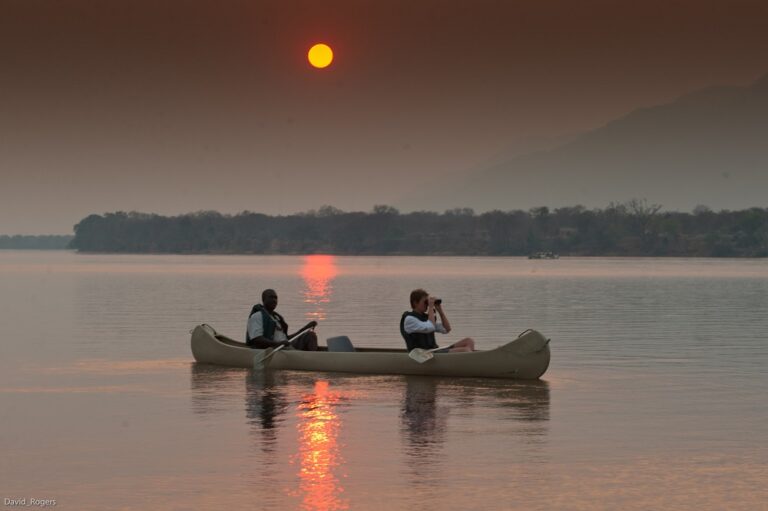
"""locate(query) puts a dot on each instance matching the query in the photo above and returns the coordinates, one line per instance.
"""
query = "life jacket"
(268, 322)
(417, 339)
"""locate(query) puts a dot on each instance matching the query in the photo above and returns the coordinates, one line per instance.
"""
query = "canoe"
(526, 357)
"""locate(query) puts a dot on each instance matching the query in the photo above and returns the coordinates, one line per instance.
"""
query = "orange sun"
(320, 55)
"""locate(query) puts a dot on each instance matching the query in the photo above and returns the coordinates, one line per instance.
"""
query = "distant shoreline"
(631, 229)
(36, 241)
(304, 254)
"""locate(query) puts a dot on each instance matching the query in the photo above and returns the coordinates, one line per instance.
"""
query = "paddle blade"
(420, 355)
(260, 358)
(258, 361)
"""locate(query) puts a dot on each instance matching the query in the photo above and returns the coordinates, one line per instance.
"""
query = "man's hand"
(443, 317)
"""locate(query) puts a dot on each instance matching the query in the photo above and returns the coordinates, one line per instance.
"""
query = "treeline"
(30, 242)
(633, 228)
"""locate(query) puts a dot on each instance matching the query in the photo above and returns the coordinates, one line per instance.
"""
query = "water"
(655, 398)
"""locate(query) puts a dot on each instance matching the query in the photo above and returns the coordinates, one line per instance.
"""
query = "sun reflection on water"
(319, 450)
(318, 272)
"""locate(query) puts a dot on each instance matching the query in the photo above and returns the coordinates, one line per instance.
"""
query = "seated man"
(418, 326)
(268, 329)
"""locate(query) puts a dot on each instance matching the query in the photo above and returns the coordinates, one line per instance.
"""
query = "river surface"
(655, 397)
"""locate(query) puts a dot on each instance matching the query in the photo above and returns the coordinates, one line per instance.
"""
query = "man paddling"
(419, 325)
(268, 329)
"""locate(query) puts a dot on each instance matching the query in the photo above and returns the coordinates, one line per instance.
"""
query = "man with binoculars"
(419, 325)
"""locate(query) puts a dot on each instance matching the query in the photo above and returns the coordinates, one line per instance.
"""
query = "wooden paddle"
(258, 360)
(421, 355)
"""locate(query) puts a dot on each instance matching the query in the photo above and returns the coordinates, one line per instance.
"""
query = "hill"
(706, 148)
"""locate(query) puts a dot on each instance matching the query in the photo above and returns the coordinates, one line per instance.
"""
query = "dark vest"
(417, 339)
(267, 321)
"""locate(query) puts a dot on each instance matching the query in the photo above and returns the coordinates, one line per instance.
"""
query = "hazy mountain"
(708, 147)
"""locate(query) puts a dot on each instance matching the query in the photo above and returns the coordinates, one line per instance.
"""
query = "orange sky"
(172, 107)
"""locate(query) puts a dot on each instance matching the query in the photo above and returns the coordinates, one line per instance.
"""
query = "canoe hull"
(526, 357)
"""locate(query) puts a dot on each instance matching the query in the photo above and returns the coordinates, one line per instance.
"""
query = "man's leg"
(466, 344)
(305, 342)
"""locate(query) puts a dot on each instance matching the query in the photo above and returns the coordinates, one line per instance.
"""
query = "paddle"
(421, 355)
(258, 360)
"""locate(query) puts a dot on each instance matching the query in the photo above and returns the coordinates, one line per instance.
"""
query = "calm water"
(655, 398)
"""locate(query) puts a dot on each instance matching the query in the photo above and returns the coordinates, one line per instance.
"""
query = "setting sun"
(320, 55)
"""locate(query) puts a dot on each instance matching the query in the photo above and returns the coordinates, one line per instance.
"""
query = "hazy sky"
(177, 106)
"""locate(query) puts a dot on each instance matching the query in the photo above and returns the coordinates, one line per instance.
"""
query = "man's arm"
(414, 325)
(443, 318)
(311, 324)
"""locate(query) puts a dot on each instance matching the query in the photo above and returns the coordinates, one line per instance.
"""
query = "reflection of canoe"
(526, 357)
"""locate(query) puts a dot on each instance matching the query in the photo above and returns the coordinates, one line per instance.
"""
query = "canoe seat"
(339, 343)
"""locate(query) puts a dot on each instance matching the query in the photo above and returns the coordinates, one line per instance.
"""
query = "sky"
(178, 106)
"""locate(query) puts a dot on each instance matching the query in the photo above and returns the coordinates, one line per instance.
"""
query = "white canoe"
(526, 357)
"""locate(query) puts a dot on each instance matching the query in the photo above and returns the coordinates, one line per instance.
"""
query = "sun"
(320, 55)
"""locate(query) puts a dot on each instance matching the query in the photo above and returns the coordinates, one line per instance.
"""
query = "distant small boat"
(526, 358)
(544, 255)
